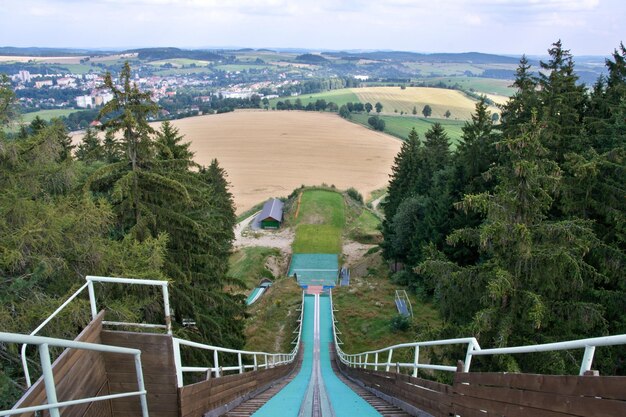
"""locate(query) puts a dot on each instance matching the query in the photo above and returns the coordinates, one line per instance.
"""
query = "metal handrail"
(402, 295)
(269, 359)
(94, 310)
(54, 405)
(361, 360)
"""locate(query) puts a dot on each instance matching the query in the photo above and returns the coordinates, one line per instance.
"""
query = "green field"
(248, 264)
(400, 126)
(46, 115)
(320, 222)
(240, 67)
(481, 85)
(179, 62)
(339, 97)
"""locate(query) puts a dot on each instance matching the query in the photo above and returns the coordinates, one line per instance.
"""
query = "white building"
(24, 76)
(84, 102)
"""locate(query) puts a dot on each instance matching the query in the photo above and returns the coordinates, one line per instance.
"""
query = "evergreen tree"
(536, 288)
(90, 149)
(476, 151)
(169, 146)
(519, 109)
(111, 149)
(563, 104)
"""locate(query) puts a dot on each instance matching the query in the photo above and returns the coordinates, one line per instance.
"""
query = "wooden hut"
(272, 214)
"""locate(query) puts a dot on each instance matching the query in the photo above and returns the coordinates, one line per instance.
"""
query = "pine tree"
(476, 151)
(90, 149)
(169, 146)
(563, 104)
(536, 289)
(519, 109)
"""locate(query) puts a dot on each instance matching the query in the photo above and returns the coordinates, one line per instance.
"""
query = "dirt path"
(245, 237)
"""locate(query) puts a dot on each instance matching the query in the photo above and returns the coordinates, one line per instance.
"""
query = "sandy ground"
(245, 237)
(439, 99)
(269, 154)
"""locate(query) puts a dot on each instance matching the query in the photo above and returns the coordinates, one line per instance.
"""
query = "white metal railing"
(384, 357)
(94, 310)
(259, 360)
(53, 404)
(402, 296)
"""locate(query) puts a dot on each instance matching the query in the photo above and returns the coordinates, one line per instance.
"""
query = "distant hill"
(473, 57)
(43, 52)
(312, 59)
(156, 54)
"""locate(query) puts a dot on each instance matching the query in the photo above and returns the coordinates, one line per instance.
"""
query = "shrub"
(354, 194)
(400, 323)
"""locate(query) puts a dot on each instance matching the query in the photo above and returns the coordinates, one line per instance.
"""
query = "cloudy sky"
(587, 27)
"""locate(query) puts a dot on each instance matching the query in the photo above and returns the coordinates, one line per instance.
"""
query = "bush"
(400, 323)
(354, 194)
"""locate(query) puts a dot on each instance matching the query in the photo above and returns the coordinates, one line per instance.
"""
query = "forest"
(128, 201)
(518, 235)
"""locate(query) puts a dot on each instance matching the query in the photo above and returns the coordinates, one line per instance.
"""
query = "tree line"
(518, 235)
(131, 203)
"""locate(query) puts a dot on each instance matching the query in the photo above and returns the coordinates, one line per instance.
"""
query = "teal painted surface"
(287, 402)
(252, 295)
(345, 402)
(315, 268)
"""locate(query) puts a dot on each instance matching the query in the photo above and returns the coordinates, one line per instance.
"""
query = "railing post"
(92, 299)
(468, 357)
(216, 363)
(141, 386)
(256, 366)
(178, 362)
(166, 307)
(587, 359)
(376, 361)
(389, 360)
(48, 378)
(240, 363)
(365, 364)
(416, 360)
(266, 361)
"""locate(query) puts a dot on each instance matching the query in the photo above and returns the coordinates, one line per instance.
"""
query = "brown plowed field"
(268, 154)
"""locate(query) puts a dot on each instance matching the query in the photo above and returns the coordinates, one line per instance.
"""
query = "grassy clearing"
(317, 238)
(481, 85)
(240, 67)
(320, 222)
(365, 309)
(339, 97)
(179, 62)
(322, 207)
(400, 126)
(273, 318)
(248, 264)
(46, 115)
(365, 228)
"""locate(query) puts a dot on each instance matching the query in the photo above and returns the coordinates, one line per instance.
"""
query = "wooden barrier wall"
(197, 399)
(157, 360)
(500, 394)
(524, 395)
(77, 374)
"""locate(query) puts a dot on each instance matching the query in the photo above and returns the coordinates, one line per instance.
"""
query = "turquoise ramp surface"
(287, 402)
(315, 268)
(345, 402)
